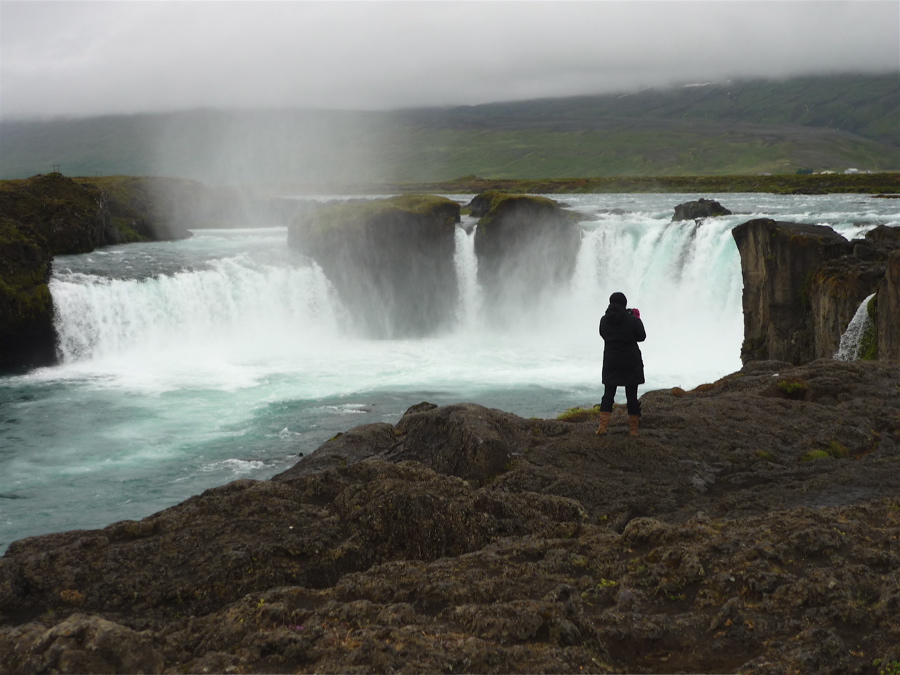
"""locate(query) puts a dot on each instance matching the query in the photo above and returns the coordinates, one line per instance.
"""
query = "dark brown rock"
(745, 530)
(777, 261)
(888, 318)
(82, 644)
(27, 336)
(464, 440)
(391, 261)
(526, 247)
(804, 283)
(699, 209)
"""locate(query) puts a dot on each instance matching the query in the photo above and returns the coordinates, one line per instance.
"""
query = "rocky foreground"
(754, 526)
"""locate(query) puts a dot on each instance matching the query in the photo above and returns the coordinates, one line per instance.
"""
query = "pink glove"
(636, 312)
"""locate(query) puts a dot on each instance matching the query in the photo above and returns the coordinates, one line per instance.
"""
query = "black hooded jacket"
(622, 361)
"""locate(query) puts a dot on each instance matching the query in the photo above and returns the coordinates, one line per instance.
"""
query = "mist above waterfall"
(323, 149)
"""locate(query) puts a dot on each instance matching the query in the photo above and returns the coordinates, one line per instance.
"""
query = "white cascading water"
(250, 308)
(469, 308)
(685, 279)
(221, 327)
(851, 340)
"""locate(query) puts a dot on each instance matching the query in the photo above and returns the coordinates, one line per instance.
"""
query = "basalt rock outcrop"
(52, 215)
(526, 246)
(27, 337)
(390, 261)
(888, 310)
(699, 209)
(803, 284)
(752, 528)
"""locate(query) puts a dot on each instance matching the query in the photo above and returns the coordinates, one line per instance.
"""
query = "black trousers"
(609, 396)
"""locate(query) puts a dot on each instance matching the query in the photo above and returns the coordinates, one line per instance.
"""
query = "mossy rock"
(493, 206)
(361, 215)
(835, 450)
(793, 388)
(49, 215)
(526, 248)
(26, 307)
(580, 414)
(390, 260)
(79, 215)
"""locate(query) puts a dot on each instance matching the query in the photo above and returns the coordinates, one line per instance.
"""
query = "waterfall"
(233, 305)
(851, 340)
(469, 308)
(685, 279)
(228, 300)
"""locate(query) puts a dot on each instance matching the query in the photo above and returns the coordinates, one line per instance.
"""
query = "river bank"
(887, 184)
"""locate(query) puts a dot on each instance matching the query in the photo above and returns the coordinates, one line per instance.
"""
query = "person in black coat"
(621, 330)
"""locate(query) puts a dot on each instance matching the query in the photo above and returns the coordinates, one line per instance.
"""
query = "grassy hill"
(865, 105)
(739, 128)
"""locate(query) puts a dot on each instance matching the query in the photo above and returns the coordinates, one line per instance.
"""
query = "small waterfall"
(232, 306)
(851, 340)
(469, 308)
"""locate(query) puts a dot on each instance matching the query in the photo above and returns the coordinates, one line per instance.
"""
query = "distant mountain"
(865, 105)
(745, 127)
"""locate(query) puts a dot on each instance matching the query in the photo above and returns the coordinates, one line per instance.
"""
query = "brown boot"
(633, 424)
(604, 423)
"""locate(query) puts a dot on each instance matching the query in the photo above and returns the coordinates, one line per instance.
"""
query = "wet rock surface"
(390, 260)
(699, 209)
(49, 215)
(526, 248)
(753, 526)
(803, 284)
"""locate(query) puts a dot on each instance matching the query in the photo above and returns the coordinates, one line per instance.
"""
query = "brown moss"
(793, 387)
(580, 414)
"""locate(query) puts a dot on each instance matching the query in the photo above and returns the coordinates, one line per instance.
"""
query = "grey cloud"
(77, 58)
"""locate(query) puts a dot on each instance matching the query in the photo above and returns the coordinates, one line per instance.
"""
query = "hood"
(616, 314)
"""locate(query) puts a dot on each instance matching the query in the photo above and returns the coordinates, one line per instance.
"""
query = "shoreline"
(877, 184)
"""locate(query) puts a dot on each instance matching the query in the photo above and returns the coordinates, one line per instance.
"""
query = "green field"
(741, 128)
(886, 184)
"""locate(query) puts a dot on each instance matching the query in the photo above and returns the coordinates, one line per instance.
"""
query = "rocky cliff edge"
(50, 215)
(752, 527)
(804, 283)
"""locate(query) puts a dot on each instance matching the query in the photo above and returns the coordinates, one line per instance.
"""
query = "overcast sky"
(87, 58)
